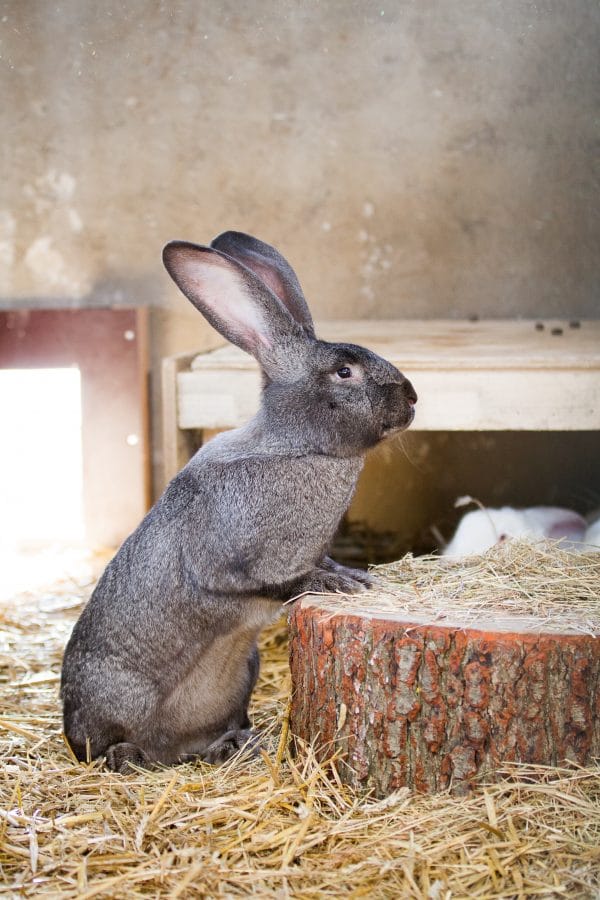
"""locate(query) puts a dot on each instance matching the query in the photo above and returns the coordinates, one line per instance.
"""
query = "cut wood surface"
(426, 683)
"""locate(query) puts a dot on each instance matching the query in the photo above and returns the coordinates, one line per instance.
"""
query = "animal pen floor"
(276, 826)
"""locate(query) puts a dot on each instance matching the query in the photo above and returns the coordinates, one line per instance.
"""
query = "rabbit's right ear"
(270, 266)
(239, 305)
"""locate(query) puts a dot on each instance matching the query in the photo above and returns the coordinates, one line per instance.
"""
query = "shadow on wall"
(410, 487)
(115, 292)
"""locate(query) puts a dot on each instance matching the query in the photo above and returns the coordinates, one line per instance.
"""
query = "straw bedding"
(276, 826)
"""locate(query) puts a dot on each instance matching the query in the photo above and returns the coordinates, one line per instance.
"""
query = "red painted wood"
(114, 372)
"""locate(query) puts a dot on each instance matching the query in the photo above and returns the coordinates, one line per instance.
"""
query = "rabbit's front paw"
(332, 578)
(123, 757)
(231, 743)
(356, 575)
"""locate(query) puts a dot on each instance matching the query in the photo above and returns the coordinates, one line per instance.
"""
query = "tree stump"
(429, 700)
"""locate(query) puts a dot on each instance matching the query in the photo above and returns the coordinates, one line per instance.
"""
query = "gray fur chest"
(329, 482)
(298, 515)
(268, 520)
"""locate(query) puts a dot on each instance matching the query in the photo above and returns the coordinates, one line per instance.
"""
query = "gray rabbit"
(161, 664)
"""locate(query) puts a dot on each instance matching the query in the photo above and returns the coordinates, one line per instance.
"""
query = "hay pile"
(517, 584)
(275, 826)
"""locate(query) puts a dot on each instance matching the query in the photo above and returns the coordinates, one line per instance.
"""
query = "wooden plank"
(517, 400)
(525, 400)
(416, 345)
(470, 376)
(175, 442)
(114, 369)
(217, 399)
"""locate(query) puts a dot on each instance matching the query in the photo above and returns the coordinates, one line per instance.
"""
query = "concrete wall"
(420, 159)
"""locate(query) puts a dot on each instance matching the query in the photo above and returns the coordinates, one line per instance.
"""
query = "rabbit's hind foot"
(125, 758)
(245, 740)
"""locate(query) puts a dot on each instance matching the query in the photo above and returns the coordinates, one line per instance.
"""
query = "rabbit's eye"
(344, 372)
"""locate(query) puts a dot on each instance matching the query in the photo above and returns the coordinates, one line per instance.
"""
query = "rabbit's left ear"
(240, 306)
(272, 268)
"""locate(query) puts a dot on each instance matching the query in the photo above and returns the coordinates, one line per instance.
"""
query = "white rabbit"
(592, 534)
(482, 528)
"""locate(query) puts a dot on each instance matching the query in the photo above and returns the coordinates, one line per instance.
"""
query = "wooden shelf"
(470, 376)
(416, 344)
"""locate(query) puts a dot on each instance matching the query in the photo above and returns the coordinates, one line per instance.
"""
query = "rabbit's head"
(337, 399)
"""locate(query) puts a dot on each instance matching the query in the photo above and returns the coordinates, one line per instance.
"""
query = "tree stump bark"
(430, 706)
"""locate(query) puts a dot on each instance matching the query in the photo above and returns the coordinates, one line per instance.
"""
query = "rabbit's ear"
(270, 266)
(238, 304)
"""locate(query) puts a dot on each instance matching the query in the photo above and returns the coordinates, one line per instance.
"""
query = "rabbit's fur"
(592, 534)
(162, 662)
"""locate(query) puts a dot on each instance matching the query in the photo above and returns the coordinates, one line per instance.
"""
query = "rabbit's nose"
(409, 392)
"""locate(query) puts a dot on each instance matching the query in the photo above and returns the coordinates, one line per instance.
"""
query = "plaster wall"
(422, 159)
